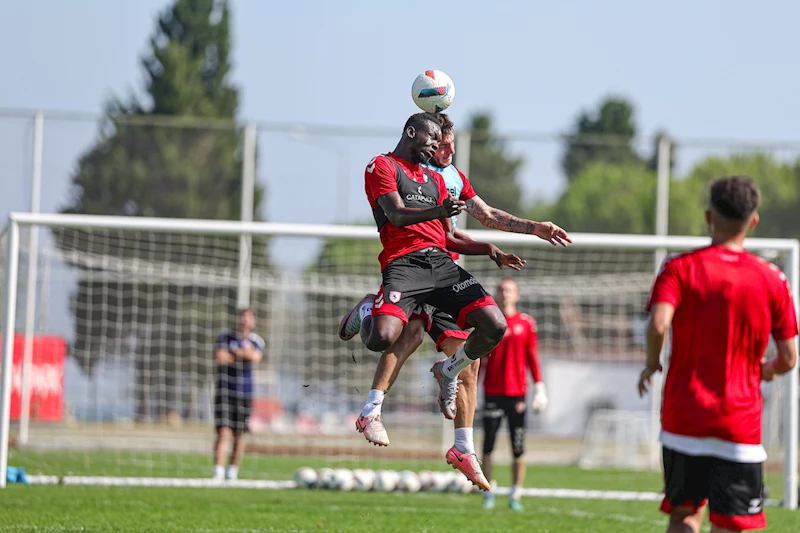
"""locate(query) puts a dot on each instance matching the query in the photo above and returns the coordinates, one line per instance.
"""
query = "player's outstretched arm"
(460, 242)
(402, 216)
(494, 218)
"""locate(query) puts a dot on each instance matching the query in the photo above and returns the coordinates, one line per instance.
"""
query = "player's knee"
(376, 343)
(494, 330)
(681, 519)
(518, 452)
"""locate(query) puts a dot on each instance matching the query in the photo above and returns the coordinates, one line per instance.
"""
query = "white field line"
(107, 481)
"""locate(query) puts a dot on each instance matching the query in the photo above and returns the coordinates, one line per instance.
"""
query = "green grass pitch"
(57, 508)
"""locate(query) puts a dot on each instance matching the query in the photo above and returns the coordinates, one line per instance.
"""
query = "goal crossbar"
(16, 220)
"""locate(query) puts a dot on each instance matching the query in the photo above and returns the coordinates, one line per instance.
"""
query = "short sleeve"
(222, 341)
(667, 287)
(443, 193)
(258, 342)
(784, 317)
(467, 192)
(380, 177)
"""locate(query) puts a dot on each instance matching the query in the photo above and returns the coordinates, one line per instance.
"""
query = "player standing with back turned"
(723, 304)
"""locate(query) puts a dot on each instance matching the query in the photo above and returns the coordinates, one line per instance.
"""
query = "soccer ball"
(325, 478)
(386, 480)
(433, 91)
(460, 484)
(363, 479)
(439, 481)
(409, 481)
(343, 479)
(426, 479)
(305, 477)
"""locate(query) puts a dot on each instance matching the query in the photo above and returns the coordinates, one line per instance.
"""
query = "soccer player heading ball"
(458, 398)
(723, 304)
(412, 209)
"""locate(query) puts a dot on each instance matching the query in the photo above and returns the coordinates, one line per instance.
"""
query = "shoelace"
(452, 390)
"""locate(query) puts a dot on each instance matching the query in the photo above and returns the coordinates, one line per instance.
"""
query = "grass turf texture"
(89, 509)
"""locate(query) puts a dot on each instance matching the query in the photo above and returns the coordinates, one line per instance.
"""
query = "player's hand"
(551, 233)
(646, 378)
(503, 259)
(540, 401)
(452, 206)
(767, 371)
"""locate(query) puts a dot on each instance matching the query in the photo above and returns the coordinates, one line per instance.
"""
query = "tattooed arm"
(494, 218)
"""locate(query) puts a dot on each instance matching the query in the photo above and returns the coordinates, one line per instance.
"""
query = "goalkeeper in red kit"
(722, 304)
(505, 386)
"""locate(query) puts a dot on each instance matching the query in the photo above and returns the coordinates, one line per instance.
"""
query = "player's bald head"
(421, 121)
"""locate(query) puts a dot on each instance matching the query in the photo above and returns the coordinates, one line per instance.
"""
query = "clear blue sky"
(699, 69)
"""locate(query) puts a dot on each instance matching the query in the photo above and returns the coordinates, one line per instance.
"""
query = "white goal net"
(122, 313)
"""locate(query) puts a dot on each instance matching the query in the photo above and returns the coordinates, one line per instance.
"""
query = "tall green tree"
(779, 182)
(605, 135)
(493, 171)
(608, 198)
(143, 165)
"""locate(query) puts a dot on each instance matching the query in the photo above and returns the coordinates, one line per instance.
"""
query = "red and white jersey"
(727, 304)
(414, 185)
(505, 367)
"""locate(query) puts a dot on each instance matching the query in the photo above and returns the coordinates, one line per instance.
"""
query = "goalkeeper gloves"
(539, 397)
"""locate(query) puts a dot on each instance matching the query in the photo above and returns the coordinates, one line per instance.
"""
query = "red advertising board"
(46, 378)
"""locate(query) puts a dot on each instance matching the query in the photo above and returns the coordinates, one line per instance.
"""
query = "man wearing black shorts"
(412, 210)
(236, 351)
(723, 304)
(505, 387)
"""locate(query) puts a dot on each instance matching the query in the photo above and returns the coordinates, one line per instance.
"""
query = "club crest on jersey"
(394, 296)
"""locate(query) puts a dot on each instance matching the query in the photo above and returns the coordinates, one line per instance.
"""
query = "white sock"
(454, 365)
(233, 472)
(464, 442)
(514, 494)
(365, 310)
(374, 402)
(219, 471)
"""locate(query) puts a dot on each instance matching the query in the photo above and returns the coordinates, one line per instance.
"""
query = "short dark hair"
(445, 122)
(735, 197)
(420, 120)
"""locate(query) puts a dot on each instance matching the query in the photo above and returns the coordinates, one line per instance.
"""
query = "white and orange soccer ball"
(433, 91)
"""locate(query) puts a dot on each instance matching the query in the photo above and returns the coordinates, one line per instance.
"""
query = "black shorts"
(232, 411)
(439, 324)
(734, 491)
(495, 408)
(429, 276)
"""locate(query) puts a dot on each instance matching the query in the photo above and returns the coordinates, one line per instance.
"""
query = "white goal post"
(579, 332)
